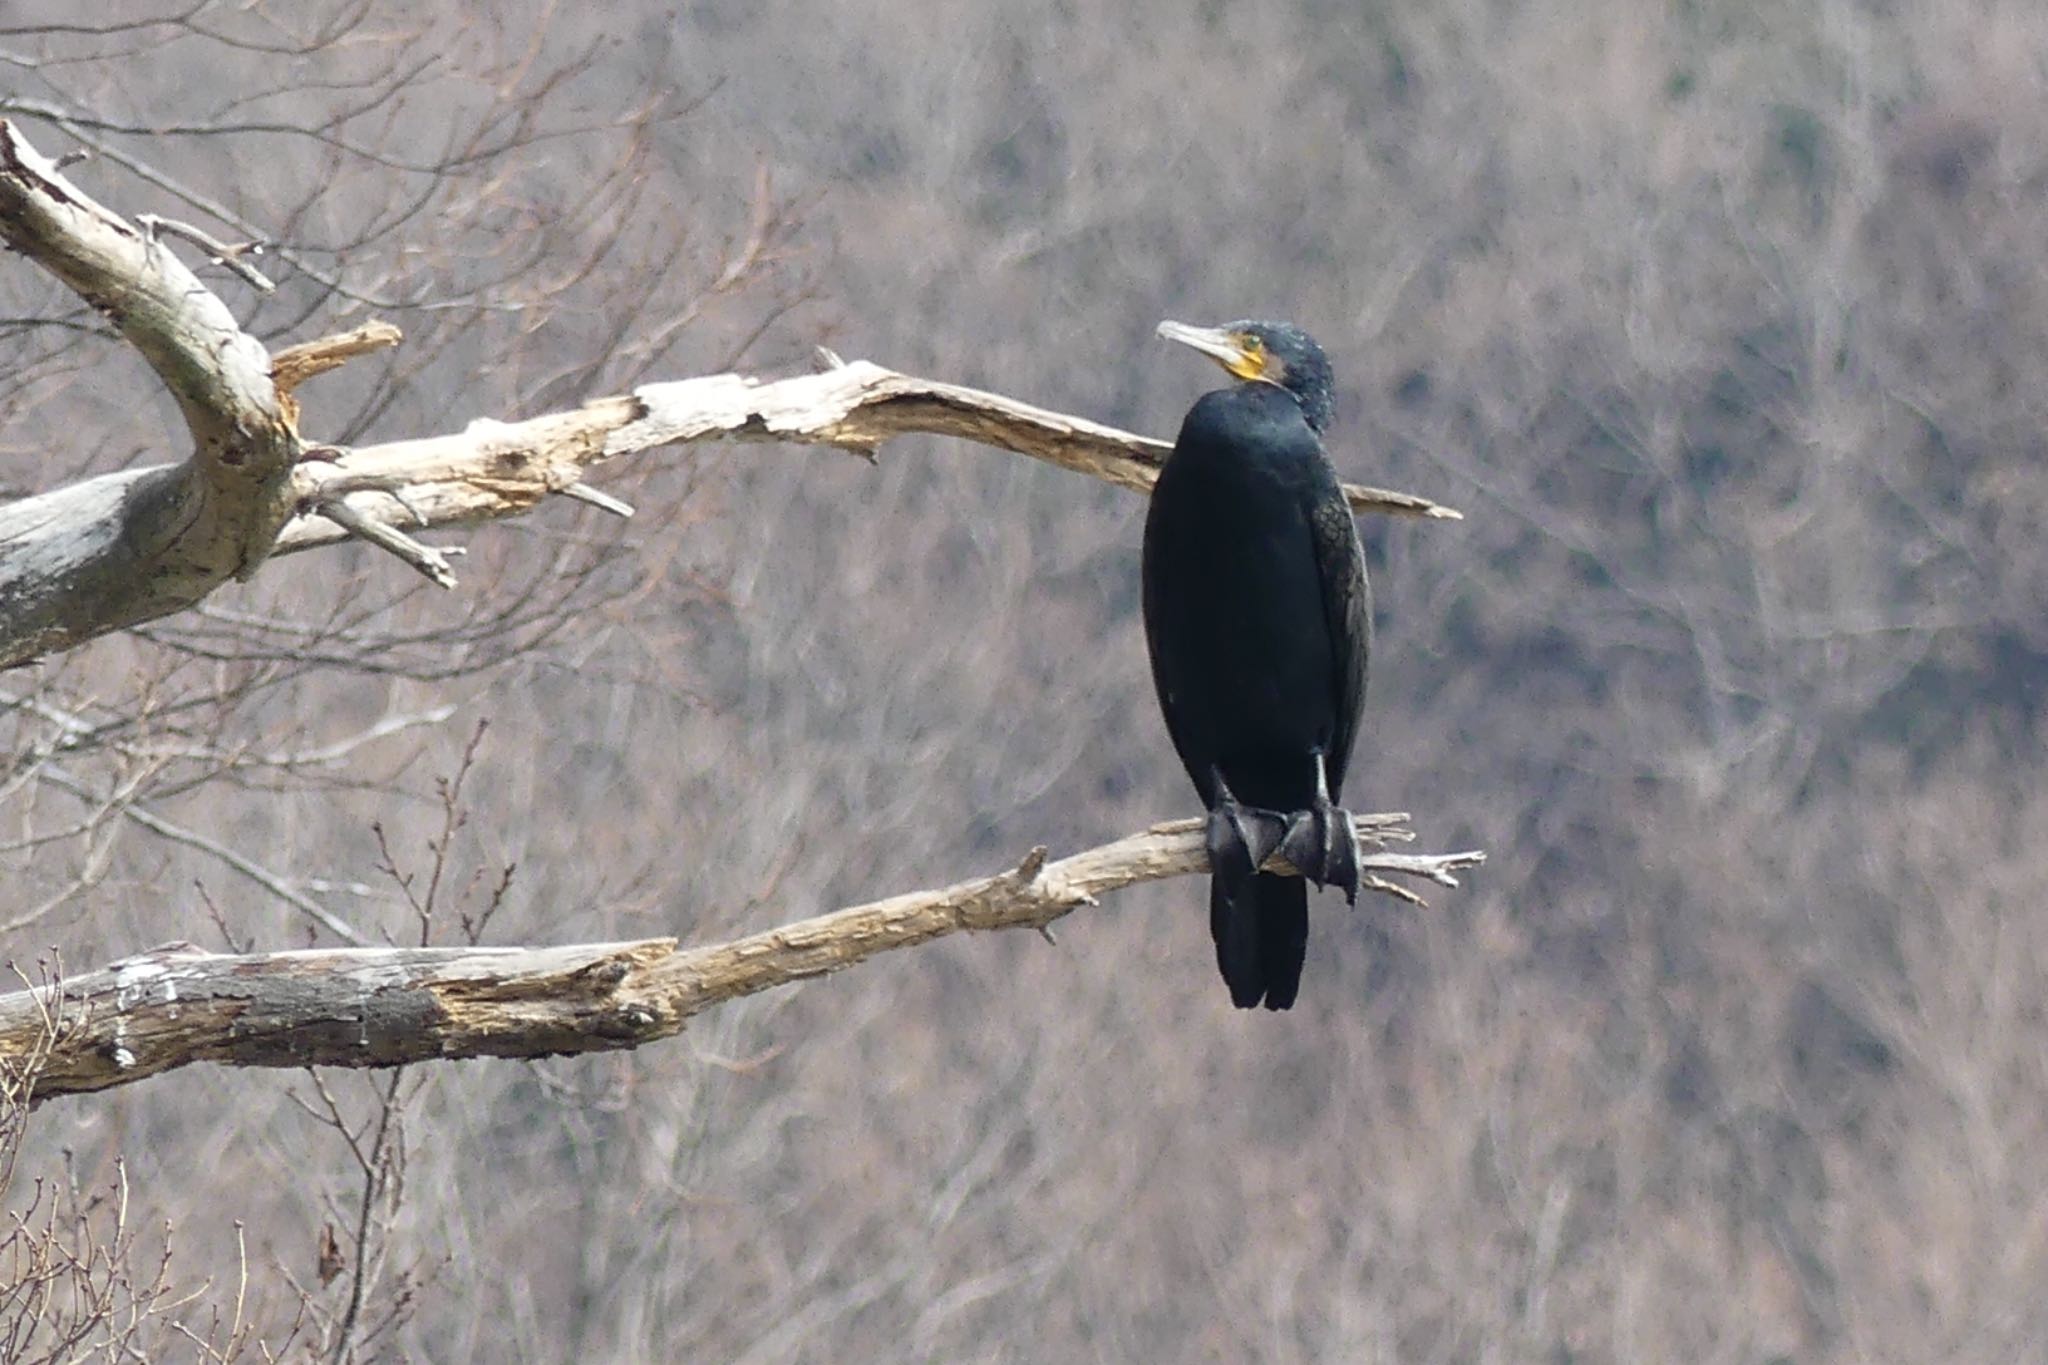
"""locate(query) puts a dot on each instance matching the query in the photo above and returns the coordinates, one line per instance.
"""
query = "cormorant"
(1258, 619)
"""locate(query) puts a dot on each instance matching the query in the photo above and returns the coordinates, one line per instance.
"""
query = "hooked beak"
(1219, 345)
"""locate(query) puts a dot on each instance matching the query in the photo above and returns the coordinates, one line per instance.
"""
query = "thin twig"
(255, 872)
(373, 1183)
(583, 492)
(219, 252)
(429, 561)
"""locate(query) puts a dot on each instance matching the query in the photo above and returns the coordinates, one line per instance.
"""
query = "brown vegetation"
(1727, 328)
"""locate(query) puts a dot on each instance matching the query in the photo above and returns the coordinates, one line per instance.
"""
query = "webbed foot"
(1240, 837)
(1322, 843)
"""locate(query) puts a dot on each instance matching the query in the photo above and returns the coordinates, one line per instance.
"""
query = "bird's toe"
(1321, 845)
(1342, 869)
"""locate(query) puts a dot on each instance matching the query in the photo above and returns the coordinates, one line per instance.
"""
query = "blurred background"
(1725, 324)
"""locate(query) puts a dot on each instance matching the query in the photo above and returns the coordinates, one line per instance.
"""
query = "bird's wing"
(1347, 607)
(1166, 611)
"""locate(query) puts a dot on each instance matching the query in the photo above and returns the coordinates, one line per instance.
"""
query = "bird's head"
(1277, 353)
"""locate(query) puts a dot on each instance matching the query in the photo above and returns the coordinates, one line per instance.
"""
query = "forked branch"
(125, 548)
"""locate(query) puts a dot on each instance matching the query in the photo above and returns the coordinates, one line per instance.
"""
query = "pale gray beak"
(1219, 345)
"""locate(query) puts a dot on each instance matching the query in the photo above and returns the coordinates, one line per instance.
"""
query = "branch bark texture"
(383, 1007)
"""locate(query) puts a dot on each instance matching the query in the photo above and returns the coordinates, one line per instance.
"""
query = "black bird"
(1258, 618)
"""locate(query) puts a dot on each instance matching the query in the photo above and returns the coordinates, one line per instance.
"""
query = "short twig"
(255, 872)
(294, 365)
(583, 492)
(428, 560)
(219, 252)
(1438, 867)
(1368, 882)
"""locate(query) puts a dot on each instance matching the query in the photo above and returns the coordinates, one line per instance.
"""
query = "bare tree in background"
(147, 548)
(1725, 324)
(460, 184)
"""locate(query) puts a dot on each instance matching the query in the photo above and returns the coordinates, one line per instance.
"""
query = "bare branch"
(858, 406)
(218, 373)
(178, 834)
(220, 253)
(128, 548)
(429, 561)
(386, 1007)
(497, 469)
(583, 492)
(493, 469)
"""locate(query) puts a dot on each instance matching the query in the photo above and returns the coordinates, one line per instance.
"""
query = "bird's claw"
(1323, 846)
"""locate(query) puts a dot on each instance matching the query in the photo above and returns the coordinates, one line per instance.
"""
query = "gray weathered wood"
(368, 1007)
(124, 548)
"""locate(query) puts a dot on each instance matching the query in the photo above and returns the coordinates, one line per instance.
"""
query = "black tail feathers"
(1260, 926)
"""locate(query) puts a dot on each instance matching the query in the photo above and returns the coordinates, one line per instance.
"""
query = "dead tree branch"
(125, 548)
(358, 1007)
(498, 469)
